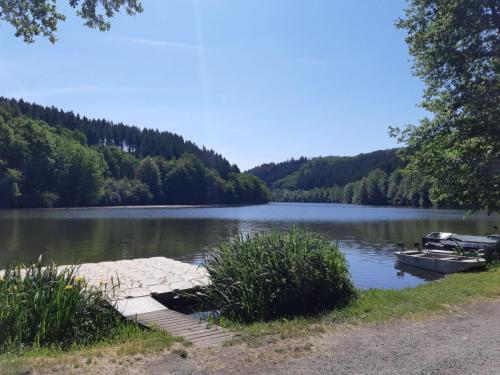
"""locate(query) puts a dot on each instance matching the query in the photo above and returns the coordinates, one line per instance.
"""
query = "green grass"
(45, 306)
(378, 305)
(129, 341)
(48, 315)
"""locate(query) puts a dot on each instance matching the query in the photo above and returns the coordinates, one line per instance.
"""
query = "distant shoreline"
(180, 206)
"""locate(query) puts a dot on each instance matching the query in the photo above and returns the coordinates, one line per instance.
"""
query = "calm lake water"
(367, 235)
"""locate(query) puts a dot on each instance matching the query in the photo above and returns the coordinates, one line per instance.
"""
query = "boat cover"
(451, 240)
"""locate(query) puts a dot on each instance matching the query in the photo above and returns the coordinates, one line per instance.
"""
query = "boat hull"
(440, 264)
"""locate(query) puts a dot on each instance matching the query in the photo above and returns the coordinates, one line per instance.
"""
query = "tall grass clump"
(277, 274)
(44, 306)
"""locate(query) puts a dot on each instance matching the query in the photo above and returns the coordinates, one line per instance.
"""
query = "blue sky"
(256, 80)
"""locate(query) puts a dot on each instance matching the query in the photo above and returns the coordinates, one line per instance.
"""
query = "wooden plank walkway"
(199, 333)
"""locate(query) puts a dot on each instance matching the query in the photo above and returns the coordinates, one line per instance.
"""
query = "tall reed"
(44, 306)
(270, 275)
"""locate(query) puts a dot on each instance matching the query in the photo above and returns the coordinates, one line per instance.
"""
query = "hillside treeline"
(373, 178)
(51, 166)
(272, 172)
(378, 188)
(138, 142)
(320, 172)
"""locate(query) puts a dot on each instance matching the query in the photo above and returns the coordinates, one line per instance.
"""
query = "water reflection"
(367, 235)
(403, 269)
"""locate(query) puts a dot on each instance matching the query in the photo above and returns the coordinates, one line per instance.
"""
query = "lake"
(367, 235)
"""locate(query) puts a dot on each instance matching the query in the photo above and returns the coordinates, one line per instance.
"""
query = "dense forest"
(272, 172)
(136, 141)
(373, 178)
(51, 158)
(319, 172)
(378, 188)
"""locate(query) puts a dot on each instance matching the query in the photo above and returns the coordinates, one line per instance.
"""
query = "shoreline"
(381, 323)
(161, 206)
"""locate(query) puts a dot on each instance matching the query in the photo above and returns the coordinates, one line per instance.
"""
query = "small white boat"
(439, 262)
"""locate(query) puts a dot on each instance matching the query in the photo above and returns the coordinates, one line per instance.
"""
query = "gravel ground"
(465, 342)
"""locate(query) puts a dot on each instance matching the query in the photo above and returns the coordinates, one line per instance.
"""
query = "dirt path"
(465, 342)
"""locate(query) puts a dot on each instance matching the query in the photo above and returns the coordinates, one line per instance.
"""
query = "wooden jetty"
(131, 284)
(199, 333)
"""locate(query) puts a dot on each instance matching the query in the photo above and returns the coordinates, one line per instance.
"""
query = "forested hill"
(373, 178)
(322, 172)
(52, 163)
(139, 142)
(272, 172)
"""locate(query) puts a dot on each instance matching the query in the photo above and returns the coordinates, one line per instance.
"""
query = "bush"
(41, 306)
(125, 192)
(48, 199)
(271, 275)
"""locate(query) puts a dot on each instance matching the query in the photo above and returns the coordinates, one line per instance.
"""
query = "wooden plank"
(169, 321)
(186, 330)
(172, 320)
(188, 327)
(196, 335)
(191, 330)
(181, 325)
(155, 314)
(183, 328)
(163, 314)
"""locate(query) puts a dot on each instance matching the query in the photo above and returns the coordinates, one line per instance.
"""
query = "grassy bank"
(379, 305)
(50, 316)
(131, 344)
(48, 299)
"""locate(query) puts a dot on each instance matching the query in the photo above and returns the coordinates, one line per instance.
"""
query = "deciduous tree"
(41, 17)
(456, 50)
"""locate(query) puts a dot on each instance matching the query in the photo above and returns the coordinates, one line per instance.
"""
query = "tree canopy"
(136, 141)
(326, 171)
(374, 178)
(47, 166)
(41, 17)
(456, 50)
(378, 188)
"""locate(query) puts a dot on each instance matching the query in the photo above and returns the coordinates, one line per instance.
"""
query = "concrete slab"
(141, 277)
(138, 305)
